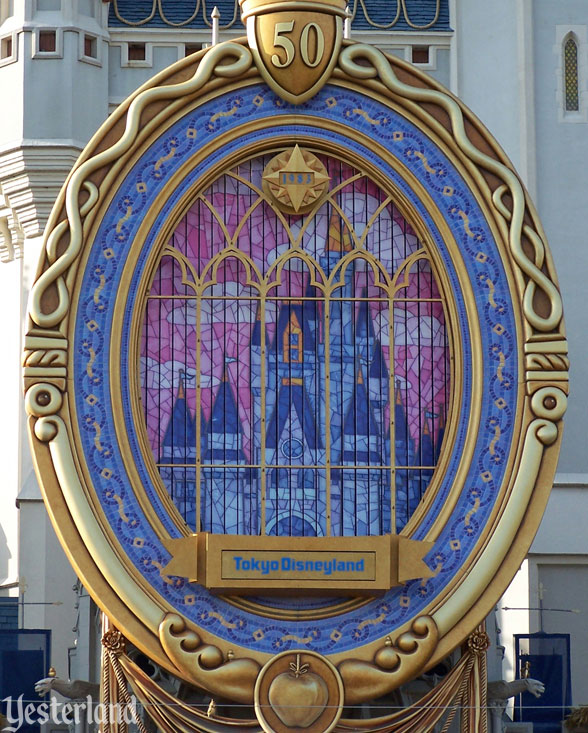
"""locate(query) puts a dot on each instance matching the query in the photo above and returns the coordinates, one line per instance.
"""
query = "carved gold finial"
(211, 712)
(51, 672)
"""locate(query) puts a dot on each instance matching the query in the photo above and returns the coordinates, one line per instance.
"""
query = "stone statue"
(498, 694)
(74, 690)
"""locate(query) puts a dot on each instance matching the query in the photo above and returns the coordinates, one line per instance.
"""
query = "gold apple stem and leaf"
(297, 669)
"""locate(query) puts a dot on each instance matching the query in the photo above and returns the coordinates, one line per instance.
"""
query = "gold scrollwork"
(42, 400)
(547, 362)
(379, 66)
(549, 404)
(211, 63)
(44, 358)
(394, 664)
(205, 664)
(47, 428)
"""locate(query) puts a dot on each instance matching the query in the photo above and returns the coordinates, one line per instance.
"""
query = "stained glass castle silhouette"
(300, 379)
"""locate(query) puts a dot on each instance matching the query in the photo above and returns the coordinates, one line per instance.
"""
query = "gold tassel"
(475, 712)
(114, 688)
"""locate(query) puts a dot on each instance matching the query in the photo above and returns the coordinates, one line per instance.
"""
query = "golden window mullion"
(263, 421)
(198, 415)
(392, 417)
(328, 412)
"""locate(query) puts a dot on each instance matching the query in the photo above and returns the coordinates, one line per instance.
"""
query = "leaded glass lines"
(571, 75)
(295, 368)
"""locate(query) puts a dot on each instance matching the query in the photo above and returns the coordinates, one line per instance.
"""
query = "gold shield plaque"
(296, 46)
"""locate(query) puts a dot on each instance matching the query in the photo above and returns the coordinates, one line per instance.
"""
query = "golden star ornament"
(295, 180)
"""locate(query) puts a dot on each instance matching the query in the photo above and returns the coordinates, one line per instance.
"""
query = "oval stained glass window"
(295, 368)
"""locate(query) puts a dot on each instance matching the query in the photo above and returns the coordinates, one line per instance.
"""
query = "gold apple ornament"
(298, 697)
(299, 691)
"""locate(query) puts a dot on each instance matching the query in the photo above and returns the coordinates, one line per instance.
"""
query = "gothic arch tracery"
(316, 348)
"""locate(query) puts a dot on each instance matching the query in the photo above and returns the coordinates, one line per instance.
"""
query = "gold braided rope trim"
(58, 265)
(380, 67)
(124, 691)
(105, 688)
(484, 693)
(461, 695)
(114, 685)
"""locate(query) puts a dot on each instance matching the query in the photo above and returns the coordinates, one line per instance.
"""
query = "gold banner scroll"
(335, 565)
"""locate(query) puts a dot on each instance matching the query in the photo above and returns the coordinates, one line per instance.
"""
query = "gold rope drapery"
(463, 690)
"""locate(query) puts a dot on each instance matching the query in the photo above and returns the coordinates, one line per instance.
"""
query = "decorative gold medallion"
(298, 691)
(295, 180)
(296, 47)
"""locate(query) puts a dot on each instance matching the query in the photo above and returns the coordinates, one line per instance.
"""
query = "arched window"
(295, 367)
(572, 100)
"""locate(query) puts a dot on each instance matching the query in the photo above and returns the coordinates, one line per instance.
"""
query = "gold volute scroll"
(205, 664)
(393, 664)
(295, 44)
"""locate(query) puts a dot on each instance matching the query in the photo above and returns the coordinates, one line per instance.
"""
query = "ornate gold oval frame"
(142, 614)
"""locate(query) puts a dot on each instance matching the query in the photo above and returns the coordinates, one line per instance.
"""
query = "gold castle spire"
(339, 239)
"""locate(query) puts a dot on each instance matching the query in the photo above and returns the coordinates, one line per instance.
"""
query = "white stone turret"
(51, 53)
